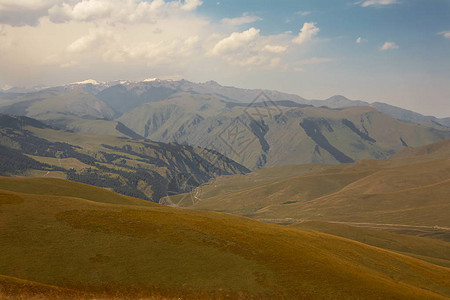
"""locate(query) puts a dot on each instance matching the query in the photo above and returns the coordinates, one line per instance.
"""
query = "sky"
(392, 51)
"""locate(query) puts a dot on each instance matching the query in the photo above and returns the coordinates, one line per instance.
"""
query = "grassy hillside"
(340, 101)
(72, 101)
(431, 250)
(139, 168)
(12, 288)
(278, 134)
(427, 152)
(412, 188)
(60, 242)
(89, 125)
(64, 188)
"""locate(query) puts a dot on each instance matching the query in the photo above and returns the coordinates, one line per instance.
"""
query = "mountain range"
(124, 95)
(274, 128)
(394, 111)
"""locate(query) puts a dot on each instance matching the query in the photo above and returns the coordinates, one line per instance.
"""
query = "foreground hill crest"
(115, 246)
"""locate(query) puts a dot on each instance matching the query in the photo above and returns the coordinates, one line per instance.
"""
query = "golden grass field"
(411, 188)
(428, 249)
(65, 240)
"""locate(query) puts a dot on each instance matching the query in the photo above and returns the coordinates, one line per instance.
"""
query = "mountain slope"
(105, 250)
(67, 101)
(157, 90)
(431, 250)
(428, 152)
(411, 189)
(143, 169)
(338, 101)
(65, 188)
(90, 125)
(399, 113)
(268, 134)
(124, 96)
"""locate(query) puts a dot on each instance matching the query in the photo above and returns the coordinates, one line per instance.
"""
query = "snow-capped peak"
(88, 81)
(151, 79)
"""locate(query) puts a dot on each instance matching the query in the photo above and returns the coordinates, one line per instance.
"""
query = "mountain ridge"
(277, 133)
(241, 95)
(140, 168)
(291, 132)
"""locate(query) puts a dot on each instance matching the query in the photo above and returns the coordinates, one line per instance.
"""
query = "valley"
(161, 252)
(135, 196)
(139, 168)
(406, 194)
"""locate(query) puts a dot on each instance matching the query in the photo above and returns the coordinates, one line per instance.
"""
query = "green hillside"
(410, 189)
(89, 125)
(64, 188)
(268, 134)
(70, 101)
(60, 244)
(138, 168)
(431, 250)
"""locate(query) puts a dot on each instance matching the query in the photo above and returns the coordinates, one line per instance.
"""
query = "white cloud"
(389, 46)
(274, 62)
(157, 31)
(93, 40)
(114, 11)
(192, 40)
(5, 41)
(250, 49)
(245, 19)
(255, 60)
(98, 47)
(308, 31)
(445, 34)
(89, 10)
(122, 38)
(368, 3)
(113, 48)
(360, 40)
(275, 48)
(235, 41)
(163, 52)
(11, 5)
(28, 12)
(190, 5)
(24, 12)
